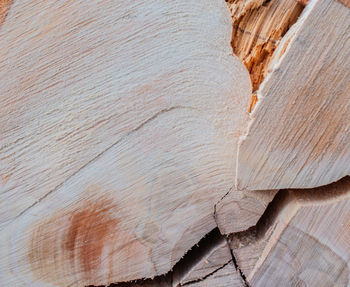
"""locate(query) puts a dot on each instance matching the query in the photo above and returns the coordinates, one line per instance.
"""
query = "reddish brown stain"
(84, 243)
(345, 2)
(303, 2)
(88, 232)
(4, 8)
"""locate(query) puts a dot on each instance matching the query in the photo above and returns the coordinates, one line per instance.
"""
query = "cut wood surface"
(248, 246)
(119, 126)
(157, 143)
(225, 277)
(216, 257)
(239, 210)
(67, 95)
(299, 133)
(306, 243)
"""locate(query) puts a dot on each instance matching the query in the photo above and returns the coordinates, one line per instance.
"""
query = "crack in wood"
(258, 27)
(257, 31)
(208, 275)
(251, 247)
(183, 266)
(244, 278)
(260, 232)
(281, 199)
(99, 155)
(256, 59)
(196, 254)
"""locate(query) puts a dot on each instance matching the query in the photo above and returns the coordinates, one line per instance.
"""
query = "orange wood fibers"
(4, 7)
(303, 2)
(345, 2)
(253, 102)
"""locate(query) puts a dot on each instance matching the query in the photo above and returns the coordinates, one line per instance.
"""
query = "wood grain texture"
(299, 132)
(4, 8)
(239, 210)
(119, 133)
(72, 89)
(247, 248)
(303, 2)
(258, 27)
(225, 277)
(161, 281)
(119, 127)
(215, 258)
(307, 244)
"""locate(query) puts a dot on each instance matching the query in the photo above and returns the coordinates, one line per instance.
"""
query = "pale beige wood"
(161, 281)
(247, 246)
(307, 244)
(215, 258)
(247, 249)
(225, 277)
(80, 78)
(239, 210)
(119, 127)
(299, 133)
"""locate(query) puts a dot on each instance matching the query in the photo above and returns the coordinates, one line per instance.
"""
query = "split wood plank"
(247, 246)
(306, 244)
(119, 127)
(299, 134)
(215, 258)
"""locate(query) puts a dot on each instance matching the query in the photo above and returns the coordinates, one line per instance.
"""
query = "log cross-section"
(159, 143)
(119, 126)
